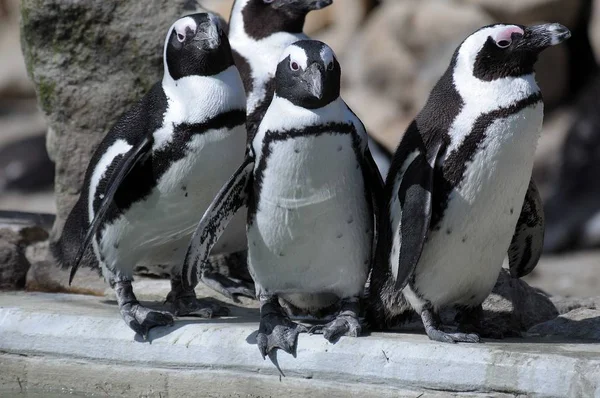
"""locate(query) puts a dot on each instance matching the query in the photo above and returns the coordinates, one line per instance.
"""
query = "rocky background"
(70, 68)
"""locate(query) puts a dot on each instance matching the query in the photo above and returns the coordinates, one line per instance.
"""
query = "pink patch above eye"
(505, 34)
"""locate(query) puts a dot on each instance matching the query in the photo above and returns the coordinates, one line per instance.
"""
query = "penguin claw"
(141, 319)
(277, 331)
(342, 325)
(229, 287)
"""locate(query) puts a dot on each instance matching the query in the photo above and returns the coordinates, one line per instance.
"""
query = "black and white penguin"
(259, 32)
(459, 195)
(311, 187)
(158, 169)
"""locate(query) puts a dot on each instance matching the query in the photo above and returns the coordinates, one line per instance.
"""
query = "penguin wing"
(126, 164)
(374, 193)
(410, 205)
(528, 241)
(224, 206)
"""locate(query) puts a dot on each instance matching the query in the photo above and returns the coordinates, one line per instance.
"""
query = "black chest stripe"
(144, 177)
(272, 137)
(451, 174)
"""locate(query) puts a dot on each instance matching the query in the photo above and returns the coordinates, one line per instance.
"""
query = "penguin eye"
(330, 66)
(180, 37)
(294, 66)
(503, 43)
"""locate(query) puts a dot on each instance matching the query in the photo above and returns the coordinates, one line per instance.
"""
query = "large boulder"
(399, 55)
(90, 61)
(581, 323)
(526, 12)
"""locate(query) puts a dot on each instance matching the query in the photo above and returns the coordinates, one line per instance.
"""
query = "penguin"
(259, 31)
(459, 196)
(311, 188)
(157, 170)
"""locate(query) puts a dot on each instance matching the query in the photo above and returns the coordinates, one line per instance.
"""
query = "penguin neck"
(335, 111)
(494, 94)
(198, 98)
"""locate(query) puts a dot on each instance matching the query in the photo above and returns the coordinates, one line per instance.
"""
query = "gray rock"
(567, 304)
(581, 323)
(15, 236)
(513, 307)
(514, 302)
(90, 61)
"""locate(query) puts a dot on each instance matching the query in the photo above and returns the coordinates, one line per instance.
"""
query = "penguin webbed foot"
(228, 287)
(346, 323)
(185, 303)
(432, 323)
(276, 330)
(141, 319)
(193, 306)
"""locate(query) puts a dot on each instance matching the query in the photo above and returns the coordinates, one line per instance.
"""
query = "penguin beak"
(540, 37)
(314, 79)
(303, 5)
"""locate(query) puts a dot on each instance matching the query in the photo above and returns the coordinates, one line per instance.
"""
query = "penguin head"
(499, 51)
(264, 17)
(308, 74)
(197, 45)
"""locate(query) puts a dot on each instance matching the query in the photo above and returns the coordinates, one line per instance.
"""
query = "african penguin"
(259, 31)
(459, 195)
(150, 180)
(311, 187)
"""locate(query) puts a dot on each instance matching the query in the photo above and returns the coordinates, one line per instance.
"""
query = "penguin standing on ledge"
(459, 194)
(158, 169)
(312, 188)
(259, 32)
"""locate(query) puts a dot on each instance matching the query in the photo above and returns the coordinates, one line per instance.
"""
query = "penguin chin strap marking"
(346, 322)
(432, 323)
(276, 330)
(139, 318)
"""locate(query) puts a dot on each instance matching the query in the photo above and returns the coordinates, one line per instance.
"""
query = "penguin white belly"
(157, 229)
(312, 231)
(462, 258)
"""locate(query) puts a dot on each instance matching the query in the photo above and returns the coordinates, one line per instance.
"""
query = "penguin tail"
(64, 250)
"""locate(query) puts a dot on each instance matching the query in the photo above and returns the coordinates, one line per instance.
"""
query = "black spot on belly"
(512, 210)
(186, 194)
(183, 188)
(464, 239)
(366, 262)
(297, 150)
(473, 297)
(350, 220)
(448, 231)
(281, 254)
(339, 236)
(174, 250)
(339, 149)
(116, 245)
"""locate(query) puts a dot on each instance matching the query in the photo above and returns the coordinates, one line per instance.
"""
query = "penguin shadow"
(237, 314)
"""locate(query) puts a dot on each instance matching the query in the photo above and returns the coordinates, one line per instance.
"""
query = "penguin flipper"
(130, 159)
(374, 188)
(228, 201)
(527, 243)
(411, 197)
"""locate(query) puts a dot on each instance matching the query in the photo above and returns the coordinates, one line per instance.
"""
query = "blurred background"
(86, 62)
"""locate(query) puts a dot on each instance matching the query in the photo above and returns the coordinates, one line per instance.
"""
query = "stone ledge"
(58, 331)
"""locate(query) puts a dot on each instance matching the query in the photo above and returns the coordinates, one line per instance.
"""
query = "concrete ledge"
(79, 344)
